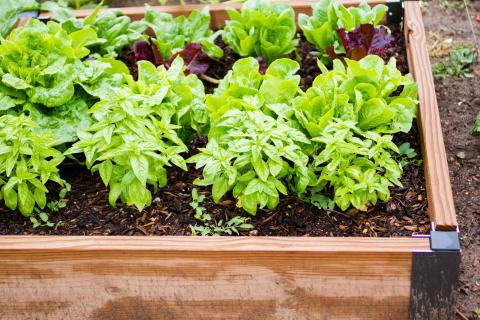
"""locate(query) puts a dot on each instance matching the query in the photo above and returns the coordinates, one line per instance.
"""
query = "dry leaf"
(410, 228)
(438, 45)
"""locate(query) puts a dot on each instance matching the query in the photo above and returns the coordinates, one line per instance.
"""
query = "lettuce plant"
(346, 113)
(27, 162)
(114, 30)
(253, 149)
(336, 30)
(362, 41)
(246, 87)
(365, 92)
(261, 30)
(42, 74)
(43, 62)
(134, 137)
(174, 34)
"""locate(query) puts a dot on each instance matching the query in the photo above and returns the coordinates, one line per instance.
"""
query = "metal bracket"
(435, 278)
(444, 241)
(395, 11)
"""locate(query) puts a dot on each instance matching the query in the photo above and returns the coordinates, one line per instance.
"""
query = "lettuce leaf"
(365, 40)
(43, 61)
(62, 123)
(365, 92)
(114, 30)
(10, 11)
(173, 34)
(261, 30)
(328, 16)
(195, 59)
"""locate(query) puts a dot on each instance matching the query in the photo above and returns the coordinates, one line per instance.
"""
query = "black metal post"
(435, 278)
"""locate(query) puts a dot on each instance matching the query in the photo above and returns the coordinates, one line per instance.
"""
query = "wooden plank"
(217, 11)
(227, 244)
(439, 191)
(205, 278)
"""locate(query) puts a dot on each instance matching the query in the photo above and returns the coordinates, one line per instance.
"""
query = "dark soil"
(459, 103)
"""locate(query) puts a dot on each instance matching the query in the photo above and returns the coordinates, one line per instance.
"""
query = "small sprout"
(405, 150)
(408, 155)
(215, 228)
(476, 128)
(42, 222)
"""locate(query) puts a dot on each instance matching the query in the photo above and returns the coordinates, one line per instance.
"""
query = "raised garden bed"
(251, 277)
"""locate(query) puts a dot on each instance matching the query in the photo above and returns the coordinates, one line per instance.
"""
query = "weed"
(454, 4)
(476, 128)
(214, 228)
(424, 6)
(460, 64)
(219, 228)
(200, 212)
(408, 155)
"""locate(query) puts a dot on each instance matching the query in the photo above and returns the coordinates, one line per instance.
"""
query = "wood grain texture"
(199, 244)
(439, 191)
(217, 11)
(205, 278)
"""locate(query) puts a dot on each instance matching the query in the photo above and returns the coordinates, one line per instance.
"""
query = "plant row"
(64, 93)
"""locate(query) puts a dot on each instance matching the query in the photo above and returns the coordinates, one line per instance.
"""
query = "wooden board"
(205, 278)
(439, 191)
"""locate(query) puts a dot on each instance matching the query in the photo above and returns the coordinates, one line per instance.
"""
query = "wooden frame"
(246, 277)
